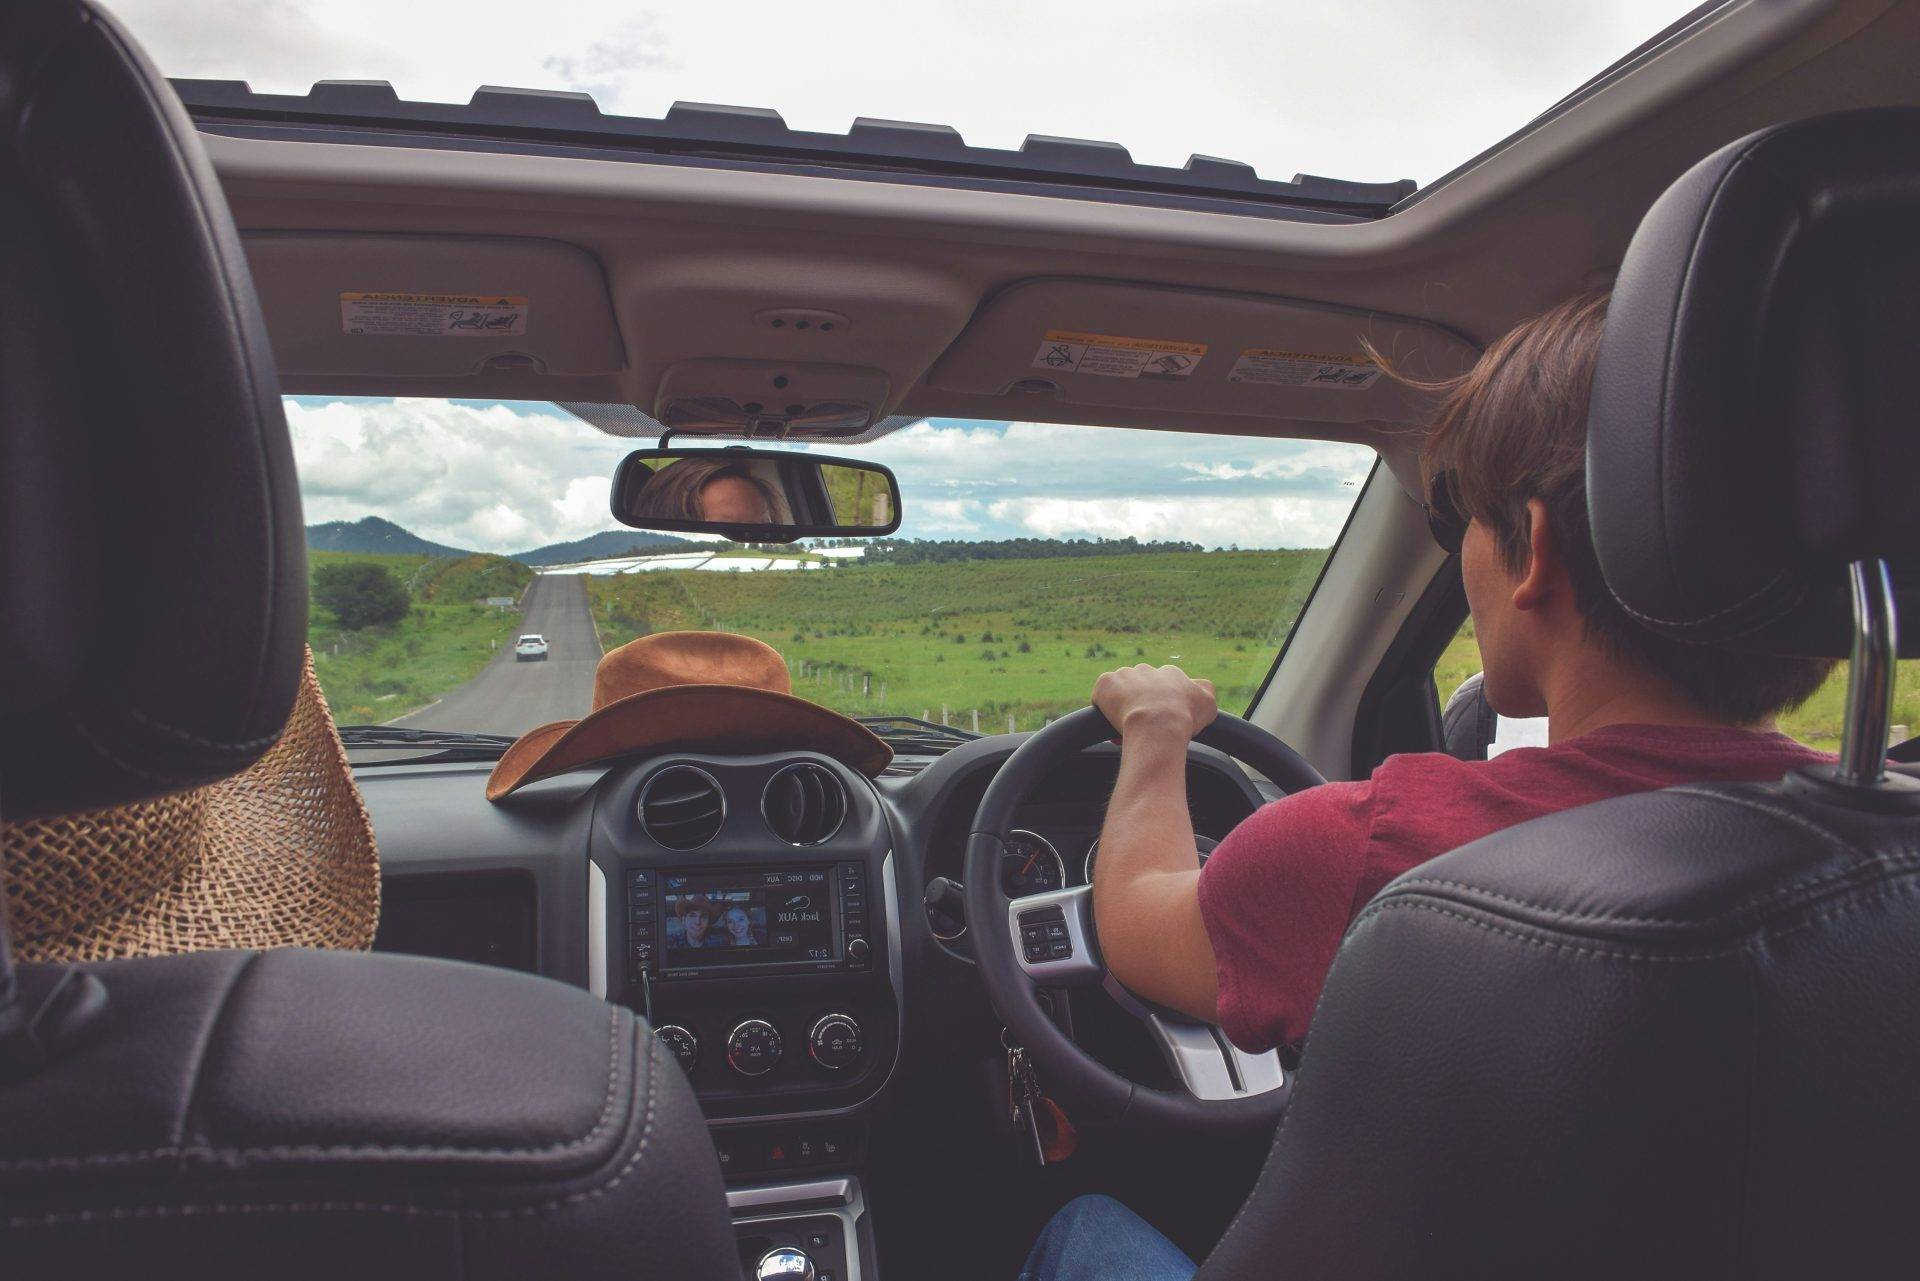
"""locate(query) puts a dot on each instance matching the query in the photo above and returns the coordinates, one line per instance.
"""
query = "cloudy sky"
(1366, 89)
(511, 477)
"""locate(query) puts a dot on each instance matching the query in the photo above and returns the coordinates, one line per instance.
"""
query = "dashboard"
(777, 918)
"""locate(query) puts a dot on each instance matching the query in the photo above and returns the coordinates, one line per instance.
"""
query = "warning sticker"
(1303, 369)
(1070, 352)
(434, 315)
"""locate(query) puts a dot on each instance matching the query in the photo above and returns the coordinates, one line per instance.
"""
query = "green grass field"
(1815, 722)
(1020, 638)
(380, 673)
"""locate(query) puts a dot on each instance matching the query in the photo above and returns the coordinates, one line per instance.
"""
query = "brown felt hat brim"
(688, 718)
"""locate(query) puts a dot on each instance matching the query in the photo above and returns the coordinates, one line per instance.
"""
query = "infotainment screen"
(747, 917)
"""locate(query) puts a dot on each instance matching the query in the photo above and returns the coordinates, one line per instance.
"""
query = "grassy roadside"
(1815, 722)
(1019, 638)
(380, 673)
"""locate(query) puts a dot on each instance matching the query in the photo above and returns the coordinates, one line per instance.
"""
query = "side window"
(1817, 721)
(1473, 732)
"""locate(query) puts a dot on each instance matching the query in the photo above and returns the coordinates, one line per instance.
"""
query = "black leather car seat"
(237, 1114)
(1468, 723)
(1674, 1034)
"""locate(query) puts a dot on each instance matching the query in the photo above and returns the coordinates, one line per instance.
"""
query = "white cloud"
(512, 477)
(489, 477)
(1368, 89)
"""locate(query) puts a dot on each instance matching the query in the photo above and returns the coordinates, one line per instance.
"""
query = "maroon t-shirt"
(1279, 891)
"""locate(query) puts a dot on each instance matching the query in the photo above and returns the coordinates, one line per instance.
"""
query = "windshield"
(1375, 90)
(1031, 558)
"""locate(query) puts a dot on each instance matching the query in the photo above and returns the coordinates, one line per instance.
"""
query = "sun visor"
(1148, 347)
(433, 306)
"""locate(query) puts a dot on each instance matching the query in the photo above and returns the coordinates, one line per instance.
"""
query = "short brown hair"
(673, 492)
(1514, 428)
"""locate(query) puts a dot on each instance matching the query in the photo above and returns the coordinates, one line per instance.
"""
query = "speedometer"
(1030, 865)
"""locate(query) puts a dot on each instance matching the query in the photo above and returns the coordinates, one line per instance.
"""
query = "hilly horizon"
(377, 535)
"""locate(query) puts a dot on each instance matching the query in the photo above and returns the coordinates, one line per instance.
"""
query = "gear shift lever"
(784, 1264)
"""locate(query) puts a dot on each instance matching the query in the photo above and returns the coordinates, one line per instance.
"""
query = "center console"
(745, 906)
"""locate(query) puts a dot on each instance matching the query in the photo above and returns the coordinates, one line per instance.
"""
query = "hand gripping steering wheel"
(1224, 1088)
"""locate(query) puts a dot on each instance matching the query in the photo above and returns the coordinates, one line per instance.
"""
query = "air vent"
(681, 807)
(804, 804)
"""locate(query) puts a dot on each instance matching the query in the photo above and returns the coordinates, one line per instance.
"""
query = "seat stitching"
(245, 744)
(1816, 881)
(1840, 908)
(69, 1218)
(86, 733)
(179, 1149)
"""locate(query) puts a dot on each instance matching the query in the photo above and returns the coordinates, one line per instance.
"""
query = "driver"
(718, 490)
(1246, 942)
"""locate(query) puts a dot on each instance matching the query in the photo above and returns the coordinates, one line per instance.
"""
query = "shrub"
(360, 594)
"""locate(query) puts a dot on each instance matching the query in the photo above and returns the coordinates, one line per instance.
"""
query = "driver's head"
(707, 489)
(1510, 443)
(734, 499)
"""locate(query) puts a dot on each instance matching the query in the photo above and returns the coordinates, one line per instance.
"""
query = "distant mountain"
(613, 542)
(372, 534)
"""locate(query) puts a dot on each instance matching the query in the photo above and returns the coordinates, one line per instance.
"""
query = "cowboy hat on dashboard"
(696, 691)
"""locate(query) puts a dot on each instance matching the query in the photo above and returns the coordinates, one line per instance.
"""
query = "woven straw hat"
(710, 691)
(279, 855)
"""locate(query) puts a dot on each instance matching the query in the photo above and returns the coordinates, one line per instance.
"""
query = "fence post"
(1009, 722)
(976, 720)
(943, 713)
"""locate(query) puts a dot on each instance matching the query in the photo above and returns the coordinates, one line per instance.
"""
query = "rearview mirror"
(755, 495)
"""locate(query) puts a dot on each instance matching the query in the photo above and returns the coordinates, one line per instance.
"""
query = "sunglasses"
(1444, 521)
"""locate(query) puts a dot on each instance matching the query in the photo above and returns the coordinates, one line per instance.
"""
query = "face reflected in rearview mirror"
(755, 495)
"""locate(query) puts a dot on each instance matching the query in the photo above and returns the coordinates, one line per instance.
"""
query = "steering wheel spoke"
(1053, 937)
(1051, 942)
(1209, 1065)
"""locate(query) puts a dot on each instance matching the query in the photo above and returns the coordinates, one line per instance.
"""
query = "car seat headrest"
(1755, 422)
(153, 601)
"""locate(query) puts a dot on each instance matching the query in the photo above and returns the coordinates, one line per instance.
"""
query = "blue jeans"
(1095, 1238)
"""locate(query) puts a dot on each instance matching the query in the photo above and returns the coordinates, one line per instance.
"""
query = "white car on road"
(530, 647)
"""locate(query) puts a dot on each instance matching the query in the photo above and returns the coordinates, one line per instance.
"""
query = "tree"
(360, 594)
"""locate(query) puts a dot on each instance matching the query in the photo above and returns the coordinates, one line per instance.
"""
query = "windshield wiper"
(444, 745)
(913, 735)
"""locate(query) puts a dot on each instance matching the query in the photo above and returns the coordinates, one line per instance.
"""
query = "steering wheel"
(1224, 1087)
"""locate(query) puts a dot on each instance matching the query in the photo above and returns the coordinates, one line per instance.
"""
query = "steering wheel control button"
(834, 1042)
(1044, 936)
(684, 1044)
(753, 1047)
(785, 1264)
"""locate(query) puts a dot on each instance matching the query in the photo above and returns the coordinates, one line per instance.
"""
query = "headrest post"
(41, 1021)
(1876, 643)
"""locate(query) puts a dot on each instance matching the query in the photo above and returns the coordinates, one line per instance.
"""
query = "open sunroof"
(552, 122)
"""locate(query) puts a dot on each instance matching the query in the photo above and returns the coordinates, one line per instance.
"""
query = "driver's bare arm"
(1146, 900)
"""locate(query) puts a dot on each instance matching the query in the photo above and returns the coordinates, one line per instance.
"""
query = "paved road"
(510, 697)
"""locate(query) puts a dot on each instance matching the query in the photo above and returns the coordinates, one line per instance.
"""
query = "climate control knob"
(834, 1041)
(753, 1047)
(684, 1044)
